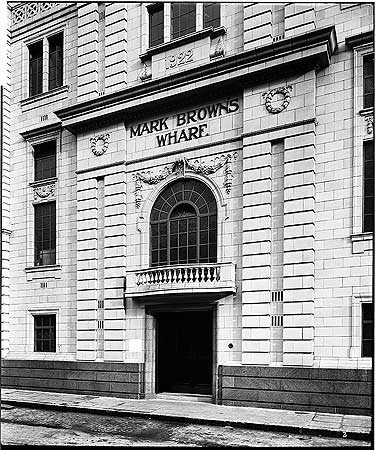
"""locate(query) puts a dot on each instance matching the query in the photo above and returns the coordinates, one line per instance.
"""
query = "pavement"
(301, 422)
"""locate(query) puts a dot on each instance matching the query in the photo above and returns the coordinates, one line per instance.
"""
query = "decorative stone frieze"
(145, 73)
(183, 165)
(24, 11)
(99, 144)
(369, 124)
(44, 192)
(219, 49)
(275, 105)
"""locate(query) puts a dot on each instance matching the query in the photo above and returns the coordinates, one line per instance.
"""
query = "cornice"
(303, 52)
(360, 39)
(37, 132)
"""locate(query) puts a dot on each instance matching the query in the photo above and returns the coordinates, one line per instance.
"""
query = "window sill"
(361, 242)
(212, 32)
(43, 182)
(44, 95)
(366, 111)
(42, 272)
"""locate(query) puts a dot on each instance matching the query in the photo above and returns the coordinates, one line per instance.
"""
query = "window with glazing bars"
(45, 160)
(35, 68)
(183, 17)
(368, 186)
(211, 15)
(45, 233)
(45, 333)
(368, 81)
(156, 24)
(55, 68)
(367, 330)
(184, 225)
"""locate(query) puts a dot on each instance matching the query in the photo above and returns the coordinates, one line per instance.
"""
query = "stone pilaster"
(299, 18)
(115, 47)
(257, 25)
(88, 52)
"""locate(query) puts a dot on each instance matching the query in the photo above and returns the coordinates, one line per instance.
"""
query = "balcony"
(181, 279)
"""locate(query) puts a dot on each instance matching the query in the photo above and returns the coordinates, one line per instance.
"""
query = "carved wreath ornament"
(180, 166)
(99, 144)
(274, 104)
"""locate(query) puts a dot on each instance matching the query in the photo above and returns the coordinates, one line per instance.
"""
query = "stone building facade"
(191, 202)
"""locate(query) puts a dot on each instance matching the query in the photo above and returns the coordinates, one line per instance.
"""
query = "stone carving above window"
(99, 144)
(278, 99)
(182, 166)
(369, 124)
(44, 192)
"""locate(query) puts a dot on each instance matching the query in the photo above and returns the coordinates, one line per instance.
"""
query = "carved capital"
(278, 99)
(99, 144)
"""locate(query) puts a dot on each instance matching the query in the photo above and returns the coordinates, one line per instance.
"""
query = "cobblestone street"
(25, 426)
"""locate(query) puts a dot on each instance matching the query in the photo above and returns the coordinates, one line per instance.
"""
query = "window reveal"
(45, 233)
(368, 186)
(45, 333)
(156, 24)
(367, 329)
(55, 70)
(35, 68)
(368, 81)
(45, 160)
(183, 19)
(184, 225)
(211, 15)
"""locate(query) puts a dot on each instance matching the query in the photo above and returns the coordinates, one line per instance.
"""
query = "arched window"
(184, 225)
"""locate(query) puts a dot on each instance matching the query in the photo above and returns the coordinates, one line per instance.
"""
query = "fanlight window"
(184, 225)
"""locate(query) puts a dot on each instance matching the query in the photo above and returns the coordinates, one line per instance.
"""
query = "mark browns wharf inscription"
(184, 119)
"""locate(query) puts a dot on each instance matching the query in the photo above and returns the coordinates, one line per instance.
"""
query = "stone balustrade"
(216, 277)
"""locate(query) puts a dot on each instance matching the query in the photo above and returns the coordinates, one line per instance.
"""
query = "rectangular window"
(55, 66)
(45, 233)
(45, 160)
(368, 81)
(367, 330)
(35, 68)
(183, 19)
(368, 186)
(45, 333)
(211, 15)
(156, 24)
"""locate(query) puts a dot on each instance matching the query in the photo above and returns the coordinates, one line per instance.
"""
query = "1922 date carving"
(179, 59)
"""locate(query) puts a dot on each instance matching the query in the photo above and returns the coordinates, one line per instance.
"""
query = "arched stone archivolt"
(144, 216)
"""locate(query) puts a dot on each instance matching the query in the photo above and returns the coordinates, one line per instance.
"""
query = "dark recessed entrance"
(184, 352)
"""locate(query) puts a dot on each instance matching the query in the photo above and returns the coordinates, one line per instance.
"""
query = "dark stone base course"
(73, 377)
(342, 391)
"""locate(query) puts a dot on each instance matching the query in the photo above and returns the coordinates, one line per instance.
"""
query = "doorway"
(184, 352)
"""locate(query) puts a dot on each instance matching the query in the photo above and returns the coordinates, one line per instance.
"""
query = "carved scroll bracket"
(182, 166)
